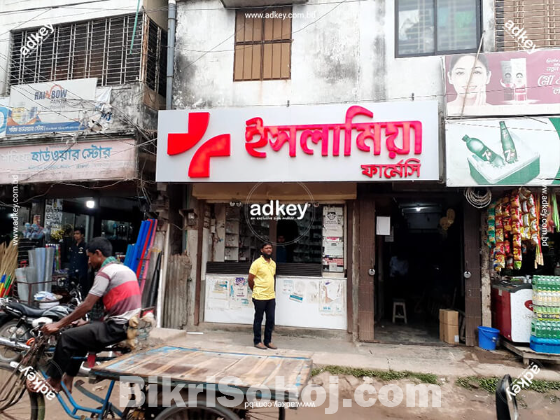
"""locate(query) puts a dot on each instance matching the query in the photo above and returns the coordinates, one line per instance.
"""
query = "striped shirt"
(118, 286)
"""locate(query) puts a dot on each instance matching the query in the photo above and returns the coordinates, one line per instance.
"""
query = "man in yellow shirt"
(261, 282)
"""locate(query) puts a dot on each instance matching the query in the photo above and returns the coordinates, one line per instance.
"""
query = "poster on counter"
(503, 83)
(288, 287)
(331, 300)
(503, 151)
(299, 291)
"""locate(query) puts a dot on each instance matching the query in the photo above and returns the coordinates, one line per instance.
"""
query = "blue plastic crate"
(545, 345)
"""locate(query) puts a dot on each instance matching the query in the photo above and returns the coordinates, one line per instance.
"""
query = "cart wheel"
(200, 411)
(262, 414)
(16, 402)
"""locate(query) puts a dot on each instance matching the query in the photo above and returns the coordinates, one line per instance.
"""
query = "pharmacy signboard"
(371, 142)
(503, 151)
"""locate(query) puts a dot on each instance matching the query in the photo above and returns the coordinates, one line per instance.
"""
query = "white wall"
(300, 302)
(18, 14)
(346, 56)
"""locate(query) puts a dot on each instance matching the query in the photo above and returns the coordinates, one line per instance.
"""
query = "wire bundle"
(477, 200)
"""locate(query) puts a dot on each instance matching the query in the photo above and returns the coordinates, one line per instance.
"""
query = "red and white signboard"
(395, 141)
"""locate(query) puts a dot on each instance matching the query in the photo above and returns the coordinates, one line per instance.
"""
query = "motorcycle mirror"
(506, 403)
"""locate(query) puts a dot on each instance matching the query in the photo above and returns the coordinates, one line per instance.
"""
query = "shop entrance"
(420, 270)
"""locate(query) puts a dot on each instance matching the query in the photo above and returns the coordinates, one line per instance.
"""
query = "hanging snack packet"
(532, 212)
(507, 224)
(515, 214)
(517, 265)
(534, 227)
(499, 209)
(524, 193)
(515, 202)
(500, 248)
(499, 222)
(516, 228)
(517, 256)
(499, 235)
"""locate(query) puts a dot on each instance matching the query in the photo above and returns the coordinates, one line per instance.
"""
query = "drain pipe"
(171, 21)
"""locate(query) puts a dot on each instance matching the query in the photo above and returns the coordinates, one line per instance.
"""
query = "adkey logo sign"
(35, 40)
(395, 141)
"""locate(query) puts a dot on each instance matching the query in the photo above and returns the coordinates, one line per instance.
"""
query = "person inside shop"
(281, 251)
(79, 261)
(398, 273)
(261, 282)
(117, 286)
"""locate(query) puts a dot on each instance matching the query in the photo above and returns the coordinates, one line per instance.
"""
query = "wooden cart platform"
(210, 368)
(529, 354)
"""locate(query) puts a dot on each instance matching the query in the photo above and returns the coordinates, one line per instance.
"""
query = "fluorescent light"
(90, 204)
(418, 208)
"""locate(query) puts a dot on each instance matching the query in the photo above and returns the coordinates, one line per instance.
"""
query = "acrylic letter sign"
(395, 141)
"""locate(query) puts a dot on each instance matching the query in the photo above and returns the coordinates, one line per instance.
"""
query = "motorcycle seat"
(26, 310)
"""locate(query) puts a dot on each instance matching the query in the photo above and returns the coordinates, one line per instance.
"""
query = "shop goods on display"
(514, 228)
(545, 327)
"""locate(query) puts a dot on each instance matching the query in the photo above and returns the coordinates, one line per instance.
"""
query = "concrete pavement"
(445, 360)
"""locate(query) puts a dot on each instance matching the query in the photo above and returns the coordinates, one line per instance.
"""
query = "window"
(97, 48)
(540, 20)
(430, 27)
(263, 43)
(310, 244)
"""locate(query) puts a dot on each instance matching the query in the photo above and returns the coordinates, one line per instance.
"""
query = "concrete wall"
(346, 56)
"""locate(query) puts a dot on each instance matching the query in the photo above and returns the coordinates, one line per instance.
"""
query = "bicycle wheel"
(198, 411)
(16, 402)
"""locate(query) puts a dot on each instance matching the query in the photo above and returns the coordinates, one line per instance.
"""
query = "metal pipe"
(171, 21)
(12, 344)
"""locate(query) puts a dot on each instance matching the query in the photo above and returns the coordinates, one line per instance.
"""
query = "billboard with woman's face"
(507, 83)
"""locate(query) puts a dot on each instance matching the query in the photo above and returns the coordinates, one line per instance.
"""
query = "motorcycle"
(22, 322)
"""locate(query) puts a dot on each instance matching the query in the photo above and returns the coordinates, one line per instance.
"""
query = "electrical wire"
(477, 200)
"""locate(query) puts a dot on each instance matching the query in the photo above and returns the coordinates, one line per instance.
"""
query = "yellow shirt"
(264, 278)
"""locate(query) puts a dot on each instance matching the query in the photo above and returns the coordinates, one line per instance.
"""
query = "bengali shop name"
(94, 152)
(400, 138)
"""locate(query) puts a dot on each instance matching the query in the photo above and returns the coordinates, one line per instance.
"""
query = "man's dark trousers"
(77, 342)
(262, 307)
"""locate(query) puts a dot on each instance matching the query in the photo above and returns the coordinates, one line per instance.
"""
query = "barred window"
(98, 48)
(540, 20)
(430, 27)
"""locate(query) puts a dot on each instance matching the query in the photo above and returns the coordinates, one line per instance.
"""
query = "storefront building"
(298, 177)
(78, 115)
(507, 149)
